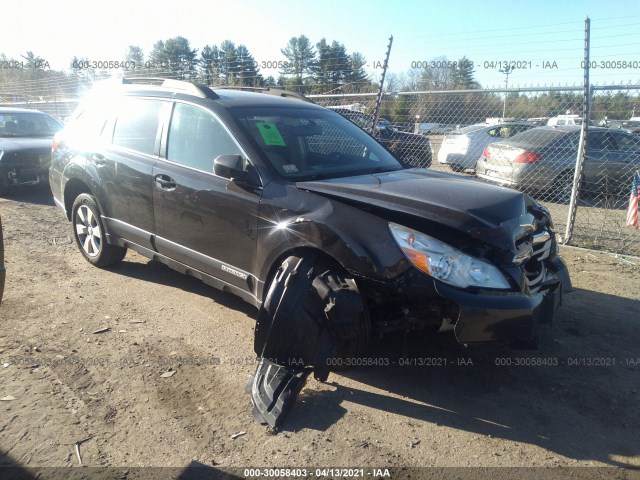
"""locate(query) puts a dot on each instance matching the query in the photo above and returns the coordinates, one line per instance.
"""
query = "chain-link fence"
(523, 138)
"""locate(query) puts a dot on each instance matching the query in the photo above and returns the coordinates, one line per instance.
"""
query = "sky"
(544, 38)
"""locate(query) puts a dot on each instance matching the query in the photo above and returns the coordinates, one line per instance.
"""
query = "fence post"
(376, 112)
(586, 103)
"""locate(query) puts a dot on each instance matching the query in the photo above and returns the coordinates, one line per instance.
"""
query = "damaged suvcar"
(25, 147)
(301, 213)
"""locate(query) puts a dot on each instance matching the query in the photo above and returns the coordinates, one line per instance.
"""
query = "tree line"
(308, 68)
(326, 67)
(303, 67)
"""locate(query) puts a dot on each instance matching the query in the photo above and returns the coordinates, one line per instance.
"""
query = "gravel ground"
(163, 386)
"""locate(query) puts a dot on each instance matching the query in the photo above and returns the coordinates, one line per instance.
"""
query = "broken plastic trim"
(309, 311)
(273, 389)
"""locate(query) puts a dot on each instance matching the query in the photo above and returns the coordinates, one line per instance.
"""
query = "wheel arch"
(72, 189)
(299, 251)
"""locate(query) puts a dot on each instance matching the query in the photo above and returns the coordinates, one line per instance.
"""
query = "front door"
(202, 220)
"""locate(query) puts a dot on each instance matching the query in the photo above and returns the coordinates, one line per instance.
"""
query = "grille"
(535, 270)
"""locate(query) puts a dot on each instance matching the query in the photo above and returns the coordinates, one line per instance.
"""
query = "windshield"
(27, 125)
(305, 144)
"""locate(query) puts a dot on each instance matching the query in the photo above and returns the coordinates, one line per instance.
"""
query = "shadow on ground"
(157, 272)
(39, 195)
(576, 396)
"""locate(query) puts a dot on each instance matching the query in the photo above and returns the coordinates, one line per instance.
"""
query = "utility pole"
(508, 70)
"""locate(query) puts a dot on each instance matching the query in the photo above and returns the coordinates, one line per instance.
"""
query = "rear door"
(202, 220)
(125, 169)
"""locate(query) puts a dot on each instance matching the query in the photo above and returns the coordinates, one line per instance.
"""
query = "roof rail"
(269, 91)
(197, 89)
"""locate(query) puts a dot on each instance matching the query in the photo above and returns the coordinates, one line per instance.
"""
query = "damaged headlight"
(441, 261)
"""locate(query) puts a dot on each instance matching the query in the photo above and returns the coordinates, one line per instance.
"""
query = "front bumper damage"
(495, 316)
(19, 176)
(291, 346)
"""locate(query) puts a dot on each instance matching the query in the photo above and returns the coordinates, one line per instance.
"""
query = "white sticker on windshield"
(289, 168)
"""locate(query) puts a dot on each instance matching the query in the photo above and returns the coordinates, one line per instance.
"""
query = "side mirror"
(229, 166)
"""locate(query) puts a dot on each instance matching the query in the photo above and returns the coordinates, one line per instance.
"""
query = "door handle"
(98, 160)
(165, 182)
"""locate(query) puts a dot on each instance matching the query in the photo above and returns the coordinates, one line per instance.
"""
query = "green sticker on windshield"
(270, 134)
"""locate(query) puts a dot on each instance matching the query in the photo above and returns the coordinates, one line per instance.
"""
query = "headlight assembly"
(445, 263)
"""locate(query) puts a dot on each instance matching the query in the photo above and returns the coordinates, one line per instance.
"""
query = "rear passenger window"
(196, 138)
(137, 125)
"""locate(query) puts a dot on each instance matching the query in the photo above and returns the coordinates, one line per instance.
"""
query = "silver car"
(461, 148)
(542, 160)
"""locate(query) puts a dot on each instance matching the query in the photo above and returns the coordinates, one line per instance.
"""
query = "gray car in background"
(462, 148)
(542, 160)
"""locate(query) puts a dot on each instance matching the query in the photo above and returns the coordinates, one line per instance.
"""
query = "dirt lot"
(572, 403)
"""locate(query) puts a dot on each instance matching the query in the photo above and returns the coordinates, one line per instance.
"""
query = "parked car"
(3, 272)
(631, 126)
(461, 148)
(25, 147)
(411, 148)
(302, 214)
(563, 120)
(542, 160)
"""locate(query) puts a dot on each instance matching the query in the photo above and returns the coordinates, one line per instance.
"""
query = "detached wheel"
(90, 235)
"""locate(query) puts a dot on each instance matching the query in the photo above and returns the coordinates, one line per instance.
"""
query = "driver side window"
(196, 138)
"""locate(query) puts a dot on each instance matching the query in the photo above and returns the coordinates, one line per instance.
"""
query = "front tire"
(90, 234)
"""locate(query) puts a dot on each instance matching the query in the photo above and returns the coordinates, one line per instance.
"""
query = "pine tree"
(210, 64)
(248, 75)
(135, 58)
(463, 75)
(300, 59)
(228, 63)
(174, 57)
(356, 77)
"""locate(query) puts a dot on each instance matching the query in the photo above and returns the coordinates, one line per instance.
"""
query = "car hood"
(25, 143)
(496, 215)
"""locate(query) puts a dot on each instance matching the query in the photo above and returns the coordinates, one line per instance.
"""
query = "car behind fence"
(529, 139)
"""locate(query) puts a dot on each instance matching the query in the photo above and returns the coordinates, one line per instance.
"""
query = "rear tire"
(90, 234)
